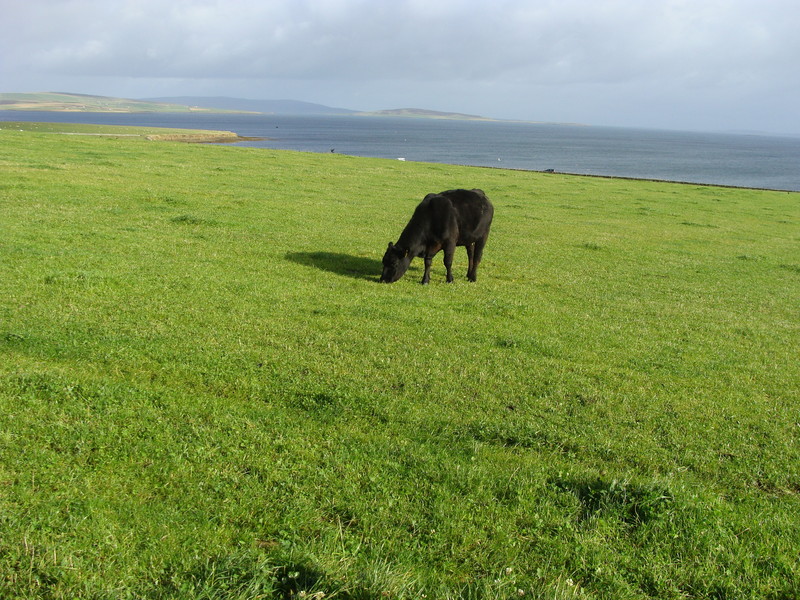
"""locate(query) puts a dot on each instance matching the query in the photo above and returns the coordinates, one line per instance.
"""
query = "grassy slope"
(204, 391)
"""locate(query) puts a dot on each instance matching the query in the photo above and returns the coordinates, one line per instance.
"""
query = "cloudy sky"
(674, 64)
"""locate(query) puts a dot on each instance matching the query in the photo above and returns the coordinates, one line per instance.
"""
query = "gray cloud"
(507, 58)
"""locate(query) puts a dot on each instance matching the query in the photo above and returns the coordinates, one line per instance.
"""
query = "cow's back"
(473, 212)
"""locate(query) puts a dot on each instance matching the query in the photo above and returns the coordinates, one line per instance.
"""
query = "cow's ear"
(391, 245)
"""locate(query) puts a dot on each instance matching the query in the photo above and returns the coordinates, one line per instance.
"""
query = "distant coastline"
(68, 102)
(64, 102)
(421, 113)
(80, 103)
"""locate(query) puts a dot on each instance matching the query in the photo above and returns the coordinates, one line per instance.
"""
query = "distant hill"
(276, 107)
(68, 102)
(423, 113)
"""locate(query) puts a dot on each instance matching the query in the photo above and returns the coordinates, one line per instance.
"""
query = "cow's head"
(395, 263)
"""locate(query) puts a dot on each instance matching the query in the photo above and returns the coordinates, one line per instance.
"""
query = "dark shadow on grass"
(357, 267)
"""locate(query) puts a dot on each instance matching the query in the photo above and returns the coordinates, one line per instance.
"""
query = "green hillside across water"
(206, 393)
(62, 102)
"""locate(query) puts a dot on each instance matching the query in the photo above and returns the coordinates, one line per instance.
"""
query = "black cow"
(442, 222)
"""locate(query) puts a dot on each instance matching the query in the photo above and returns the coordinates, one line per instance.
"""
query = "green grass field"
(205, 393)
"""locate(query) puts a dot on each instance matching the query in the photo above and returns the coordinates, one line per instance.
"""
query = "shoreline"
(644, 179)
(231, 137)
(154, 134)
(212, 137)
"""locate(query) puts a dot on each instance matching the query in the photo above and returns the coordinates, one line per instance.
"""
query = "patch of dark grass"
(518, 432)
(317, 402)
(701, 225)
(77, 279)
(11, 337)
(750, 257)
(192, 220)
(591, 246)
(790, 268)
(238, 576)
(631, 503)
(528, 345)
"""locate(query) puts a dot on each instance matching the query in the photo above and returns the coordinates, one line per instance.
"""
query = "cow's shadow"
(357, 267)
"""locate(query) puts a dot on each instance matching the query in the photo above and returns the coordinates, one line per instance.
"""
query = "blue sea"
(753, 161)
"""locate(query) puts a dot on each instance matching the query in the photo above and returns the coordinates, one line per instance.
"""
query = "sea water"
(755, 161)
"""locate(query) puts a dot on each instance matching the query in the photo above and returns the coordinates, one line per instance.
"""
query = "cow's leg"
(471, 258)
(449, 252)
(426, 276)
(476, 259)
